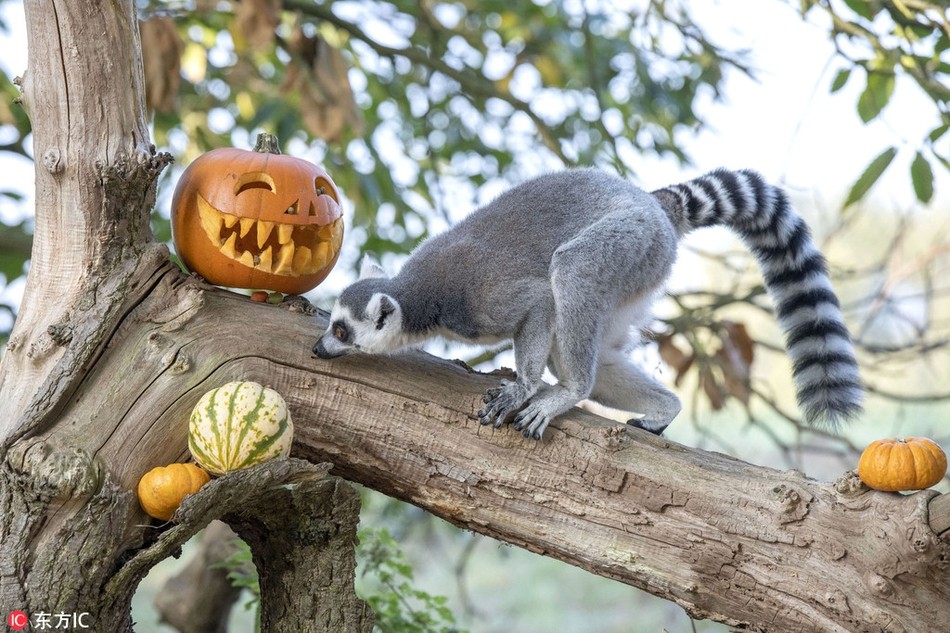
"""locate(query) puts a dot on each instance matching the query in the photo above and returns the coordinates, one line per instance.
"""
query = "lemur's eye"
(340, 331)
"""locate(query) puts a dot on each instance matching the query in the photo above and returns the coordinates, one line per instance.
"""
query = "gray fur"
(567, 265)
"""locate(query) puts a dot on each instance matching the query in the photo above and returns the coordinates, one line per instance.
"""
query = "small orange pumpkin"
(912, 463)
(162, 489)
(257, 219)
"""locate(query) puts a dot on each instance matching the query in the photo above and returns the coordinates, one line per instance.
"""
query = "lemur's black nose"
(322, 352)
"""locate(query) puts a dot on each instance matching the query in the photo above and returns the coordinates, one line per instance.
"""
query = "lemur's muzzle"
(328, 347)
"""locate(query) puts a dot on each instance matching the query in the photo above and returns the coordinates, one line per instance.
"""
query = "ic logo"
(18, 620)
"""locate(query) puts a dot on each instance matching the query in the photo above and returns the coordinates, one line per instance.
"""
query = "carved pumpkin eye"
(254, 180)
(325, 188)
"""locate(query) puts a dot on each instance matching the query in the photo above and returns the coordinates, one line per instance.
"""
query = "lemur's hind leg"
(623, 255)
(584, 286)
(620, 384)
(532, 343)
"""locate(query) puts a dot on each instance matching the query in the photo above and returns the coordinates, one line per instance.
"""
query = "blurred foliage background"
(421, 110)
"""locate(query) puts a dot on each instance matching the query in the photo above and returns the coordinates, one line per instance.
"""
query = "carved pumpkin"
(162, 489)
(913, 463)
(257, 219)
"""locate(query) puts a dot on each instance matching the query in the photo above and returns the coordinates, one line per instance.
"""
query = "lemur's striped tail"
(816, 338)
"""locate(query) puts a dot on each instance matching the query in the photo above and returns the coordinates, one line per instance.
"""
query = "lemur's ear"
(370, 269)
(380, 308)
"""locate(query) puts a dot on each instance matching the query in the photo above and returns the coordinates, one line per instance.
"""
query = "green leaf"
(943, 43)
(876, 94)
(870, 176)
(861, 7)
(938, 132)
(922, 175)
(15, 249)
(11, 266)
(840, 80)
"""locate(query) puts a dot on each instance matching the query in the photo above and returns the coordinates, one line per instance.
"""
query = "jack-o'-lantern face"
(256, 219)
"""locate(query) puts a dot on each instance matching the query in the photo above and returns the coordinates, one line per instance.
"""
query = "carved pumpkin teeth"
(285, 233)
(246, 225)
(337, 230)
(321, 254)
(264, 229)
(210, 219)
(295, 250)
(229, 248)
(267, 259)
(285, 261)
(332, 232)
(301, 259)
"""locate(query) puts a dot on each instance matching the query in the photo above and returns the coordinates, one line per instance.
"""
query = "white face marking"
(378, 331)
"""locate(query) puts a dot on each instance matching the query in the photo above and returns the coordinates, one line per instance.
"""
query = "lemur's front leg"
(532, 344)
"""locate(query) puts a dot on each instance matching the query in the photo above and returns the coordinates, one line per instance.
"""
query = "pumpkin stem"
(267, 143)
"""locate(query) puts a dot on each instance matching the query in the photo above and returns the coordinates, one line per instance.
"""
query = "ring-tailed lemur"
(567, 266)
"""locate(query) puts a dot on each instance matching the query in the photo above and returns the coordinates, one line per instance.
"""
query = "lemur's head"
(365, 318)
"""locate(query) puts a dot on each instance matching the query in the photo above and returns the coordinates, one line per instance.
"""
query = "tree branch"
(301, 527)
(697, 528)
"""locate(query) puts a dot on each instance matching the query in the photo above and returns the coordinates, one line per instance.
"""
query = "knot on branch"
(55, 472)
(61, 333)
(879, 585)
(301, 305)
(850, 485)
(129, 183)
(133, 171)
(794, 502)
(52, 160)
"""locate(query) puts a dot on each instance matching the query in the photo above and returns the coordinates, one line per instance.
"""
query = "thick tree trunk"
(65, 521)
(114, 346)
(71, 531)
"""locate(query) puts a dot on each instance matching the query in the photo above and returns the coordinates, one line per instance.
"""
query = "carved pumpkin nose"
(257, 219)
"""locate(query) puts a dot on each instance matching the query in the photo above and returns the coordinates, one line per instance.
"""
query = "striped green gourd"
(238, 425)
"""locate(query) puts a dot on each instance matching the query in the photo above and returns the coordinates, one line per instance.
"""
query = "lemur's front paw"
(502, 401)
(533, 419)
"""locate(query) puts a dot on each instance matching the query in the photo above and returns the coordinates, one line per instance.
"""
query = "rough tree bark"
(114, 346)
(72, 539)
